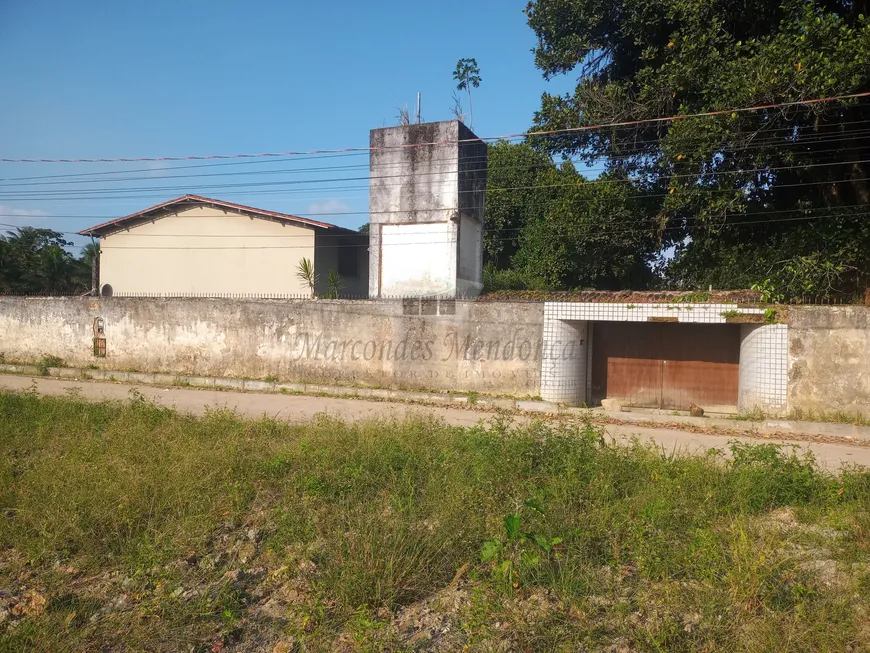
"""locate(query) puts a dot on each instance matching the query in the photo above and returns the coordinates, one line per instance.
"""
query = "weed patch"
(46, 362)
(130, 526)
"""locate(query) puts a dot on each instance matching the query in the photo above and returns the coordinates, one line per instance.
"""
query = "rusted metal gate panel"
(626, 362)
(700, 365)
(665, 365)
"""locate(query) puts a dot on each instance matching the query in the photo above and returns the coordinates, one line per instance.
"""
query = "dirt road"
(301, 408)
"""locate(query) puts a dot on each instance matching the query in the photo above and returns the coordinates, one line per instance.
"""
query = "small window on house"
(348, 262)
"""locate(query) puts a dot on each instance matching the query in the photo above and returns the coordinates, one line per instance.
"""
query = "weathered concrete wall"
(829, 358)
(424, 184)
(473, 155)
(462, 346)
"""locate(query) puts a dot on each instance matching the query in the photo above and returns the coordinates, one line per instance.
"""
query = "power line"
(804, 139)
(188, 167)
(622, 227)
(582, 182)
(544, 203)
(577, 184)
(804, 142)
(566, 130)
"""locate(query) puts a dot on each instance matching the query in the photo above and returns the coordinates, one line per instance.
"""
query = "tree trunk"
(95, 275)
(470, 110)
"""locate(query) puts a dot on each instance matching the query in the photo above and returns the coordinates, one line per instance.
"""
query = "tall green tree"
(548, 226)
(592, 233)
(37, 261)
(467, 76)
(777, 194)
(514, 198)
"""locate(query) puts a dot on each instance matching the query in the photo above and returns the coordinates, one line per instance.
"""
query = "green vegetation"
(34, 261)
(548, 227)
(694, 298)
(46, 362)
(495, 278)
(773, 197)
(467, 76)
(305, 273)
(129, 526)
(334, 284)
(767, 291)
(757, 414)
(830, 416)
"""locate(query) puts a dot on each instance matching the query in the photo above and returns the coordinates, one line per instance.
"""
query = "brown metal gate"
(665, 365)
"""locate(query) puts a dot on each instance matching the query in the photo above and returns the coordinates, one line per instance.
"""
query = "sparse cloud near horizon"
(11, 216)
(328, 207)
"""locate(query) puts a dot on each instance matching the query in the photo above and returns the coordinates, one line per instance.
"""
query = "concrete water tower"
(426, 200)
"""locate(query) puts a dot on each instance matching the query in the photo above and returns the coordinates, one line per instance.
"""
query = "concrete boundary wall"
(436, 345)
(829, 359)
(499, 348)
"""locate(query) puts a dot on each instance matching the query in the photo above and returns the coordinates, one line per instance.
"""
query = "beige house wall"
(206, 250)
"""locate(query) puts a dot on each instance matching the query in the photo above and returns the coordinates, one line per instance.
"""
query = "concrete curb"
(764, 427)
(256, 385)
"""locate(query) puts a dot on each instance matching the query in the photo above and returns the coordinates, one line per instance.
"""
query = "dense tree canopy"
(36, 261)
(550, 227)
(778, 194)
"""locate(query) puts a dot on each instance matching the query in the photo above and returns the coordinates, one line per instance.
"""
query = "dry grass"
(129, 526)
(827, 416)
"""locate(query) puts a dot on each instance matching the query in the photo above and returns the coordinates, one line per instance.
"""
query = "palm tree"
(90, 252)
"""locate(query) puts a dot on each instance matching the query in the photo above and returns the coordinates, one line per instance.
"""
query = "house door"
(666, 365)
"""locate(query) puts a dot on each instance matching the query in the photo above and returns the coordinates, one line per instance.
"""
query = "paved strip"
(301, 408)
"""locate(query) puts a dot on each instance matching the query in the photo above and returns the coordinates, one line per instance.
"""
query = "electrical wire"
(622, 228)
(578, 183)
(549, 132)
(545, 203)
(805, 141)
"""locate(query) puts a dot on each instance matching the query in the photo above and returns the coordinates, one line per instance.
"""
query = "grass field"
(132, 527)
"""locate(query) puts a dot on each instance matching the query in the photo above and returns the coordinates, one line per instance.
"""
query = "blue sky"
(193, 77)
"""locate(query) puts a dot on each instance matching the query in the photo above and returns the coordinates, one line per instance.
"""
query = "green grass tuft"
(46, 362)
(130, 526)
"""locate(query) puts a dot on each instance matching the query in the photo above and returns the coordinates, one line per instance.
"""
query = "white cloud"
(327, 207)
(156, 168)
(11, 216)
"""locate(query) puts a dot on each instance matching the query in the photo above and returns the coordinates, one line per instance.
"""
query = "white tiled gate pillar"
(763, 348)
(563, 361)
(763, 368)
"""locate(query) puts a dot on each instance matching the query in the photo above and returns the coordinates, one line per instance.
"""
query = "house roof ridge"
(119, 223)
